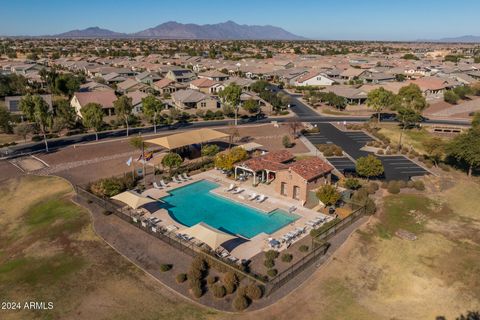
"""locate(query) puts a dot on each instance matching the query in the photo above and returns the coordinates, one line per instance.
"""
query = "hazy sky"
(320, 19)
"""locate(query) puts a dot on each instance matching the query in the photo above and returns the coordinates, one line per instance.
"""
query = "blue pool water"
(194, 203)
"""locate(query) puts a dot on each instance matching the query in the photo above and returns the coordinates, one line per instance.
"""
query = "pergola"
(259, 167)
(183, 139)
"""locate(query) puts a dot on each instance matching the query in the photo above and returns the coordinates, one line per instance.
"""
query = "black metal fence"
(318, 250)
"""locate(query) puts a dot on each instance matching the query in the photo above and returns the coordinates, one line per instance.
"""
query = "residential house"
(214, 75)
(314, 78)
(147, 77)
(131, 85)
(204, 85)
(137, 97)
(167, 86)
(180, 75)
(376, 77)
(193, 99)
(12, 103)
(104, 98)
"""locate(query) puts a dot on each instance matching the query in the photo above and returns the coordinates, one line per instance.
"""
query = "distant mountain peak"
(228, 30)
(464, 39)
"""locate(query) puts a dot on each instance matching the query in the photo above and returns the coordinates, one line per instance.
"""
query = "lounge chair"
(175, 180)
(261, 198)
(238, 190)
(163, 184)
(179, 178)
(253, 196)
(186, 177)
(230, 188)
(156, 186)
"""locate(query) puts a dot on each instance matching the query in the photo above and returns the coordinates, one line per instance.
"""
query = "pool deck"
(274, 201)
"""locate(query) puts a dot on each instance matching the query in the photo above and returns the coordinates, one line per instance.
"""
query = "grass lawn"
(49, 252)
(414, 137)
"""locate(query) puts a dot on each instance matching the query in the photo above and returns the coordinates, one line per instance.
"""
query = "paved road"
(302, 111)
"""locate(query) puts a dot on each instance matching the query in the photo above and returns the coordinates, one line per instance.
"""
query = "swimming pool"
(194, 203)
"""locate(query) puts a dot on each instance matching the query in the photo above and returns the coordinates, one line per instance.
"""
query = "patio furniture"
(156, 186)
(179, 178)
(230, 188)
(186, 177)
(238, 190)
(163, 184)
(261, 198)
(253, 196)
(175, 180)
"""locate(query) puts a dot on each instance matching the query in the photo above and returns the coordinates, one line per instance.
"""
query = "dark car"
(384, 116)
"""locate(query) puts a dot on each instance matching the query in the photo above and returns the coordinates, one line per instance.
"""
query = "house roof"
(127, 84)
(136, 96)
(310, 168)
(213, 74)
(163, 83)
(202, 83)
(272, 161)
(104, 98)
(188, 95)
(430, 83)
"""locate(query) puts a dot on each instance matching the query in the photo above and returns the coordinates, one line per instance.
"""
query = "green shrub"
(419, 185)
(192, 283)
(352, 183)
(240, 303)
(269, 263)
(197, 291)
(165, 267)
(271, 254)
(286, 257)
(219, 291)
(254, 292)
(181, 277)
(287, 143)
(272, 272)
(303, 248)
(393, 187)
(380, 151)
(199, 263)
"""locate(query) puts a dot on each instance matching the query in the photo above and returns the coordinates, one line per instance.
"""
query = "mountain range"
(461, 39)
(173, 30)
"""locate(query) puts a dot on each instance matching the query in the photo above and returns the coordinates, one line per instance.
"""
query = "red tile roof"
(311, 168)
(272, 161)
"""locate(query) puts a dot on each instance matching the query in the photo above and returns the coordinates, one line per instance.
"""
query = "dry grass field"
(48, 252)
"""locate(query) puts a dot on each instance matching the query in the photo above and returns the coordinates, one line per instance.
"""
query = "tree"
(230, 95)
(435, 149)
(152, 108)
(172, 160)
(294, 124)
(407, 118)
(226, 160)
(379, 99)
(409, 56)
(38, 111)
(328, 195)
(139, 144)
(65, 113)
(369, 166)
(462, 91)
(466, 148)
(450, 97)
(233, 133)
(251, 106)
(412, 97)
(287, 143)
(210, 150)
(5, 120)
(123, 109)
(67, 84)
(92, 117)
(23, 129)
(259, 86)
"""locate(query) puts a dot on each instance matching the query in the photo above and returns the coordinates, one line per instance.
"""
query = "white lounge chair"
(186, 177)
(238, 190)
(261, 198)
(156, 186)
(253, 196)
(175, 180)
(230, 188)
(163, 184)
(179, 178)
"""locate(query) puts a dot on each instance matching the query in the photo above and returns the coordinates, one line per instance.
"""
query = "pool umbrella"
(133, 199)
(207, 234)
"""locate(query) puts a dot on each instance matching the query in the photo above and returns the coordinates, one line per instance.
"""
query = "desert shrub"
(428, 164)
(269, 263)
(181, 277)
(402, 184)
(271, 254)
(443, 166)
(388, 152)
(110, 187)
(410, 184)
(194, 274)
(287, 143)
(165, 267)
(380, 151)
(219, 291)
(287, 257)
(192, 283)
(240, 303)
(197, 291)
(272, 272)
(303, 248)
(328, 153)
(352, 183)
(199, 263)
(230, 281)
(419, 185)
(393, 187)
(211, 279)
(384, 185)
(372, 187)
(253, 291)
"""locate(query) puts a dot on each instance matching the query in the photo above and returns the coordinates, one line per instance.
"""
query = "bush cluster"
(110, 187)
(330, 150)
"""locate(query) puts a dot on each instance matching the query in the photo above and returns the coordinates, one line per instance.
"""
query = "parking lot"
(396, 167)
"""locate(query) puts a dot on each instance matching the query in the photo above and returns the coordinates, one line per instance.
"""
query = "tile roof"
(104, 98)
(310, 168)
(163, 83)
